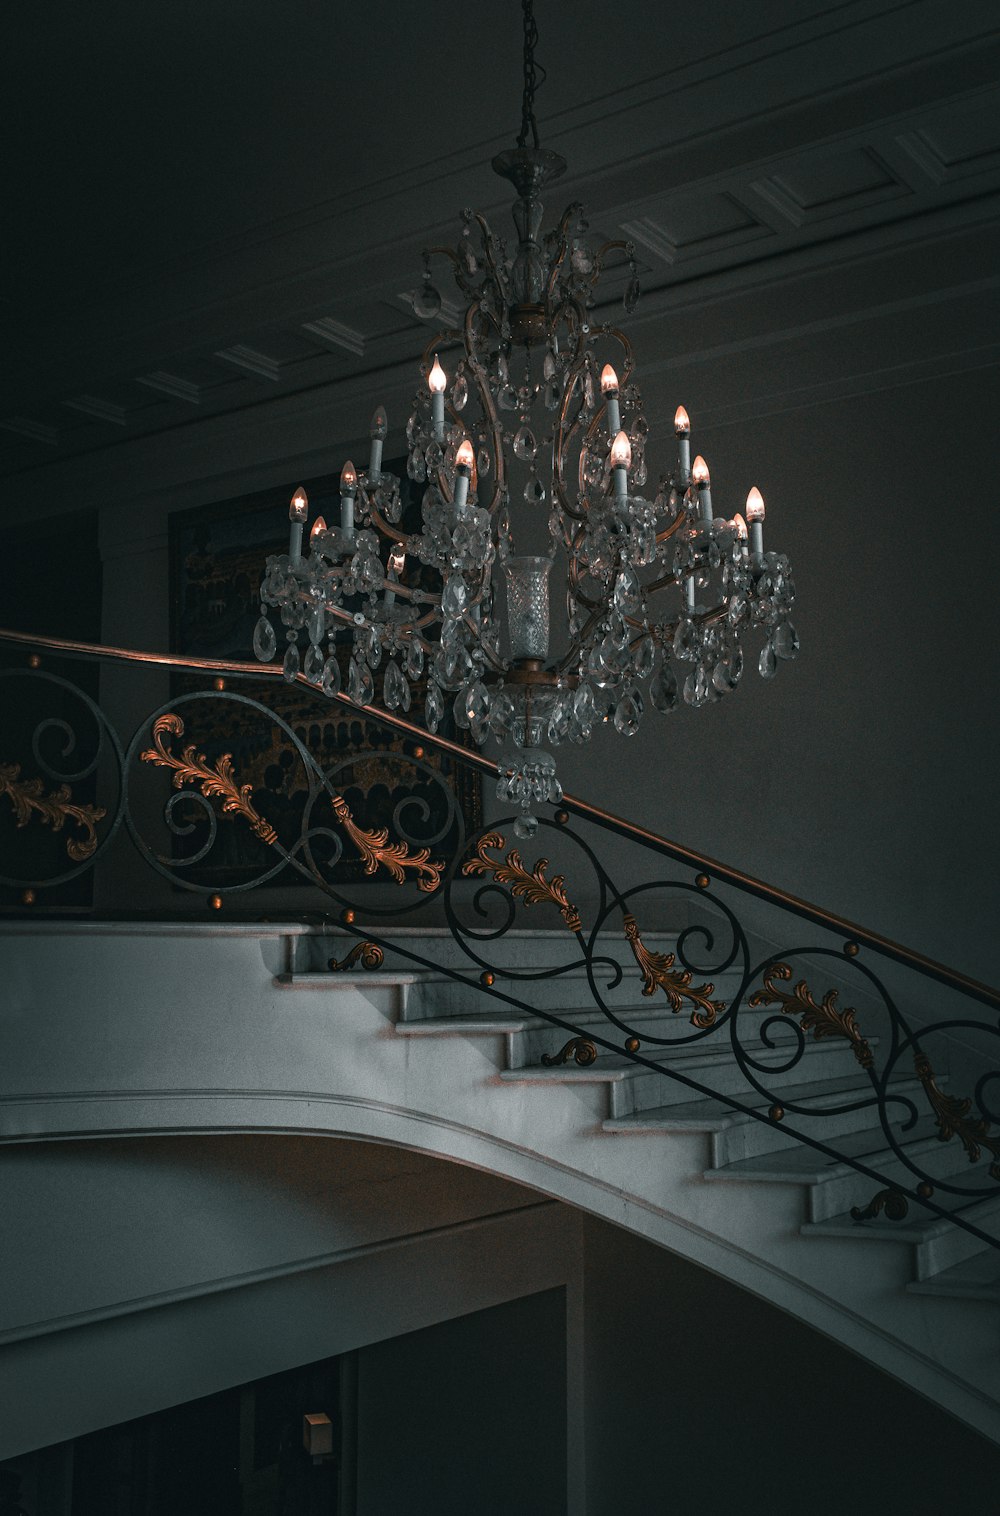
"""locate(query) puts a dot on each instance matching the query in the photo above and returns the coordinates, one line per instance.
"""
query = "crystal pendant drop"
(360, 687)
(627, 591)
(525, 446)
(768, 664)
(483, 462)
(265, 643)
(663, 688)
(455, 596)
(312, 664)
(433, 706)
(391, 693)
(290, 665)
(785, 640)
(534, 491)
(526, 826)
(415, 658)
(627, 714)
(330, 678)
(460, 393)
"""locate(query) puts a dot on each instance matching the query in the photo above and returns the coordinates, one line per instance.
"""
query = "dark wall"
(469, 1416)
(704, 1399)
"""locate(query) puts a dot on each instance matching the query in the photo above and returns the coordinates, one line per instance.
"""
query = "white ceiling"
(219, 206)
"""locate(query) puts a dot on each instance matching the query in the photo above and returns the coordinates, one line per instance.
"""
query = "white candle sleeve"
(295, 542)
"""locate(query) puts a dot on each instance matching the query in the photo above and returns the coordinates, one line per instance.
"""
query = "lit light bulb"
(465, 457)
(319, 525)
(621, 452)
(682, 422)
(437, 379)
(298, 506)
(699, 471)
(755, 505)
(348, 478)
(609, 379)
(741, 527)
(379, 424)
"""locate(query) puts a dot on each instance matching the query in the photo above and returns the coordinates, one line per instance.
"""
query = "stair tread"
(714, 1114)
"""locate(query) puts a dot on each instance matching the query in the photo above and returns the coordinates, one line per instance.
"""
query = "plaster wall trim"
(228, 1282)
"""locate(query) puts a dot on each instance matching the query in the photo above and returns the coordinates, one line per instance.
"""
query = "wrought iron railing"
(177, 786)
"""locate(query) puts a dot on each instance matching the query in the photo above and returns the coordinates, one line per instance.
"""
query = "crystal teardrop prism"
(265, 643)
(290, 664)
(330, 678)
(525, 446)
(663, 689)
(312, 664)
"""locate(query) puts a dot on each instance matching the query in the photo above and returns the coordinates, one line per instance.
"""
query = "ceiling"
(217, 208)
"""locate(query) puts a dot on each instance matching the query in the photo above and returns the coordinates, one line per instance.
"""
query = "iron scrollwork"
(617, 968)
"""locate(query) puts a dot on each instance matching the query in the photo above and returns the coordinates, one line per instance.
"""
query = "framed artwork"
(217, 555)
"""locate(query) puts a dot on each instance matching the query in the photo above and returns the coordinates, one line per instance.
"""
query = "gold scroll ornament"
(533, 887)
(658, 972)
(823, 1019)
(219, 780)
(28, 797)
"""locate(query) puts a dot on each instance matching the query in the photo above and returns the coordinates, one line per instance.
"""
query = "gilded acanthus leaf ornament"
(954, 1120)
(368, 954)
(215, 779)
(658, 972)
(28, 798)
(580, 1049)
(395, 857)
(823, 1020)
(219, 780)
(533, 887)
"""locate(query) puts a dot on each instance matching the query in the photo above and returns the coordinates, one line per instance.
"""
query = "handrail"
(722, 873)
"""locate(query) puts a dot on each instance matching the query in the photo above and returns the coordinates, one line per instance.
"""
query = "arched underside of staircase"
(207, 1031)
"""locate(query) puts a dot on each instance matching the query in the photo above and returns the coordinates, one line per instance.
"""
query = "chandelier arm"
(490, 256)
(563, 435)
(617, 245)
(486, 402)
(458, 272)
(668, 532)
(561, 243)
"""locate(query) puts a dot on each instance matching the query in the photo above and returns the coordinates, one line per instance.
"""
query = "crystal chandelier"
(531, 444)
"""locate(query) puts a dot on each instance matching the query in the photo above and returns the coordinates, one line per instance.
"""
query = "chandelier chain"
(532, 70)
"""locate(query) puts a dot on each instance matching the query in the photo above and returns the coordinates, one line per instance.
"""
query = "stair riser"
(955, 1244)
(568, 994)
(518, 950)
(722, 1075)
(753, 1139)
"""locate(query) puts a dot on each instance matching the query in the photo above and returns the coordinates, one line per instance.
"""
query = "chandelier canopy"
(528, 432)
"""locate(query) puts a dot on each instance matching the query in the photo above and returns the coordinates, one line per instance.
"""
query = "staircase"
(918, 1295)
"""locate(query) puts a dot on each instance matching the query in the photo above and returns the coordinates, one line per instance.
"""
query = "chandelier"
(527, 431)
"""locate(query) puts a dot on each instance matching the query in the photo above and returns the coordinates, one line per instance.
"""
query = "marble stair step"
(834, 1186)
(938, 1244)
(633, 1087)
(975, 1278)
(736, 1136)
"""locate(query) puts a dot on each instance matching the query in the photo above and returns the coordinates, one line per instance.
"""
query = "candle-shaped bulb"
(699, 471)
(319, 525)
(465, 457)
(609, 380)
(348, 478)
(379, 424)
(437, 379)
(741, 527)
(298, 506)
(682, 422)
(621, 452)
(755, 505)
